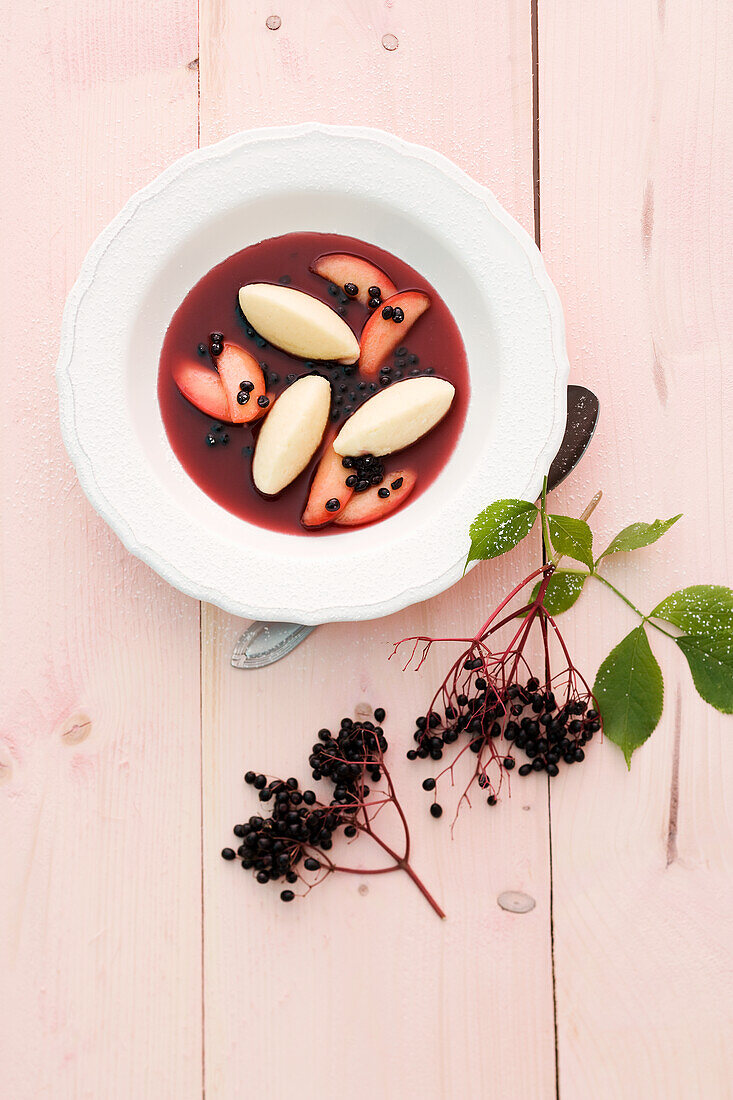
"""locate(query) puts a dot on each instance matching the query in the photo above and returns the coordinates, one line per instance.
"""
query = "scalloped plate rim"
(83, 466)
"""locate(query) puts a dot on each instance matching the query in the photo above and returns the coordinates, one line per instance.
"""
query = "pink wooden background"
(133, 962)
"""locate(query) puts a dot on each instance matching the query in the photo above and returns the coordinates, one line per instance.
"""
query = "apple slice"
(369, 506)
(291, 433)
(202, 387)
(329, 484)
(380, 335)
(298, 323)
(343, 268)
(395, 418)
(235, 365)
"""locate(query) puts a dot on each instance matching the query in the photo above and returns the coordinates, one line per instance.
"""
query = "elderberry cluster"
(299, 828)
(545, 731)
(368, 470)
(531, 719)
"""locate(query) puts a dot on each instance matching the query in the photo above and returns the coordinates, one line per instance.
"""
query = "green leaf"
(705, 613)
(700, 609)
(572, 537)
(563, 590)
(710, 657)
(499, 528)
(637, 535)
(630, 692)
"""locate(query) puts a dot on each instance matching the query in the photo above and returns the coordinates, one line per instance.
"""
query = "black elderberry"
(398, 315)
(428, 784)
(202, 349)
(351, 289)
(263, 401)
(436, 810)
(242, 397)
(211, 440)
(380, 714)
(228, 853)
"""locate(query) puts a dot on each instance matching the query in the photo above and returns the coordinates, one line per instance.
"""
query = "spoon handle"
(265, 642)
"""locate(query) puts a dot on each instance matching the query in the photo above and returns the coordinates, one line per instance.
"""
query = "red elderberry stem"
(510, 597)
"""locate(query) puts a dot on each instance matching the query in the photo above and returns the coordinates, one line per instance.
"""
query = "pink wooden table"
(133, 962)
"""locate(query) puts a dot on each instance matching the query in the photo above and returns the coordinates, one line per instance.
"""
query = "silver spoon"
(265, 642)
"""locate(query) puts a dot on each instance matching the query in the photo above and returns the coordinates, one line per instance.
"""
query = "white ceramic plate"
(263, 183)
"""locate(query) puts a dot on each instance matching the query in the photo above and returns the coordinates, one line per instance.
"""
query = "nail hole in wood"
(390, 42)
(515, 902)
(273, 22)
(363, 889)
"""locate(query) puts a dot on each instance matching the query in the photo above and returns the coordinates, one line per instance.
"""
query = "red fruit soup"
(218, 455)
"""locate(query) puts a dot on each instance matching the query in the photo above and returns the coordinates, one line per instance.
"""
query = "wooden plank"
(636, 158)
(360, 983)
(100, 978)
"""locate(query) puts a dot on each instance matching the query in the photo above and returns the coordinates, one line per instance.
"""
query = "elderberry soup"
(312, 383)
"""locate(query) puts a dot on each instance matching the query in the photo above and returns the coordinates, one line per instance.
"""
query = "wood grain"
(100, 949)
(404, 1004)
(637, 227)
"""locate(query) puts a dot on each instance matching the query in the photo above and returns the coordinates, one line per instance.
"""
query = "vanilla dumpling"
(290, 435)
(298, 323)
(396, 417)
